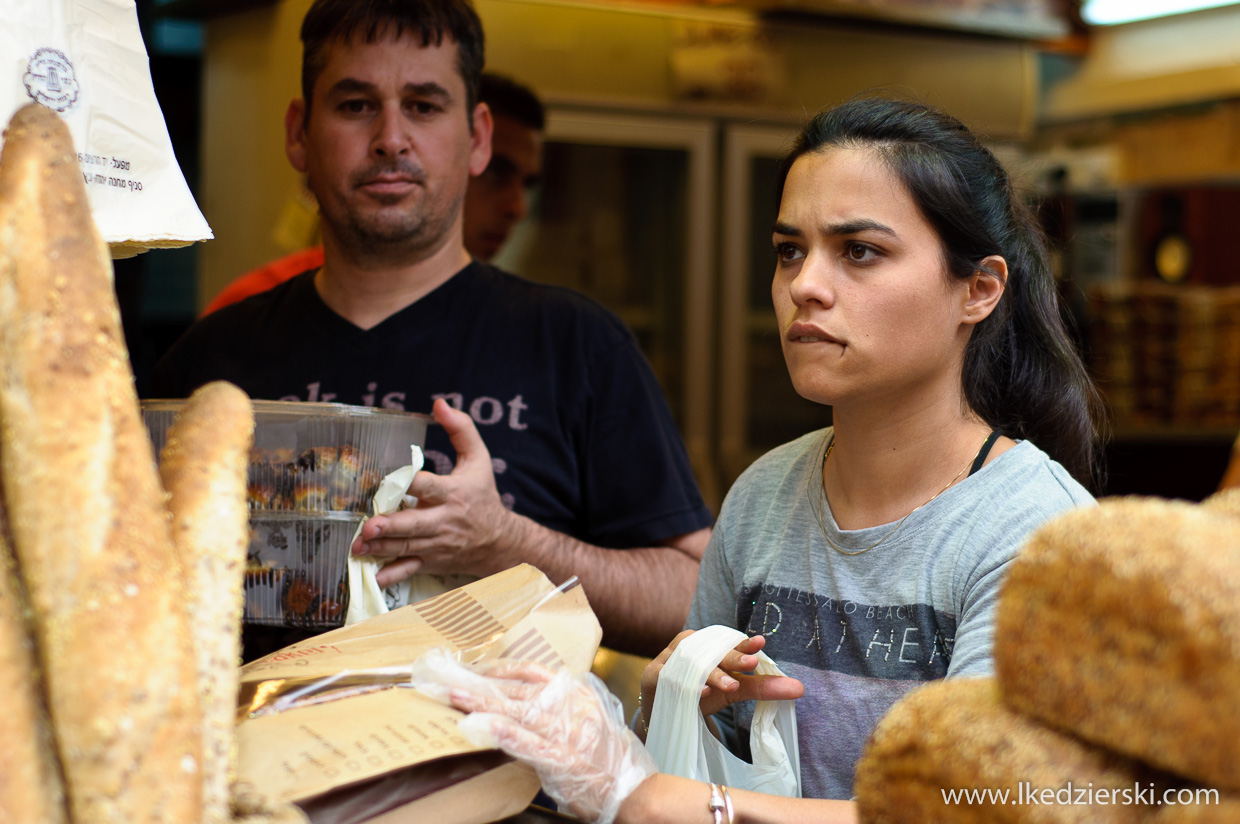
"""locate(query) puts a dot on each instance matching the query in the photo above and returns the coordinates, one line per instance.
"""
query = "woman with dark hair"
(914, 298)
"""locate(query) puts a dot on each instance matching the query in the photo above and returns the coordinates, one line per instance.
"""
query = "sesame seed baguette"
(86, 509)
(204, 464)
(31, 788)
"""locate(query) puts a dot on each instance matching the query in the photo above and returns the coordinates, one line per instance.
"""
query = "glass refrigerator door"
(759, 409)
(625, 214)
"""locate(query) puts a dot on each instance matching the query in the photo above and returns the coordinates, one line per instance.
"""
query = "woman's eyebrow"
(850, 227)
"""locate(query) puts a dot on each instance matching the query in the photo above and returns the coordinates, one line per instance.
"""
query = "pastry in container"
(312, 474)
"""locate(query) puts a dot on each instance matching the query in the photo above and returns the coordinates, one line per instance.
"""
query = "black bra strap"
(985, 450)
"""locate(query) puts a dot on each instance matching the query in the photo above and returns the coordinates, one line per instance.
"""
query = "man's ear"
(480, 140)
(295, 134)
(986, 286)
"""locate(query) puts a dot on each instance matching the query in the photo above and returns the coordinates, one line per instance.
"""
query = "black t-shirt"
(580, 435)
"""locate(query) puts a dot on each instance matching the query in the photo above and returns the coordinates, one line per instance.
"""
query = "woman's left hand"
(727, 683)
(569, 728)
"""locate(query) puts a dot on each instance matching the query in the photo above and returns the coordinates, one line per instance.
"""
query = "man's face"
(386, 147)
(498, 198)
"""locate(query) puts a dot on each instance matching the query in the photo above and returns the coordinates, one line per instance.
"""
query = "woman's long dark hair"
(1022, 374)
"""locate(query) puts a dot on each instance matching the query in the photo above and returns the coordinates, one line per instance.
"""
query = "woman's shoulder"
(1027, 471)
(1009, 497)
(786, 464)
(794, 453)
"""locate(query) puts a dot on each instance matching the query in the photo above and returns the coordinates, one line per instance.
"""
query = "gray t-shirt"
(862, 630)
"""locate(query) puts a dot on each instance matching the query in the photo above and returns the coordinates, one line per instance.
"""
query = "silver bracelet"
(717, 804)
(727, 805)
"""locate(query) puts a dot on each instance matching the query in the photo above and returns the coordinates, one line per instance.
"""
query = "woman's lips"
(808, 333)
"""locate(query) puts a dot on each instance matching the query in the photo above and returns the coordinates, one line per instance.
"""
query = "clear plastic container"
(313, 471)
(296, 572)
(314, 457)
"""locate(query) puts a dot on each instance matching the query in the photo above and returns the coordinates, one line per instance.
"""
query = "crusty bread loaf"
(31, 789)
(1121, 624)
(1226, 501)
(957, 735)
(86, 509)
(203, 466)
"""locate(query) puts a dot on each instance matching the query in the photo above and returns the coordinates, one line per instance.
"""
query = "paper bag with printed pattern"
(328, 724)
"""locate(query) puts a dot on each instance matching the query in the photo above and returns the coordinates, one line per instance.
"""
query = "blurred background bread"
(1121, 624)
(956, 734)
(1225, 811)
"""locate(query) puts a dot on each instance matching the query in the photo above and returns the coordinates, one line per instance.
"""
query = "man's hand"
(456, 526)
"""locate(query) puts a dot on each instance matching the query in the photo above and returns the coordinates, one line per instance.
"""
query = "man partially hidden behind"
(582, 471)
(495, 201)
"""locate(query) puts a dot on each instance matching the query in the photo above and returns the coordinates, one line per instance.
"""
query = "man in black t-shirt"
(556, 447)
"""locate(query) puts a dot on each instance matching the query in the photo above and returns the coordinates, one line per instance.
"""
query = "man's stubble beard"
(407, 237)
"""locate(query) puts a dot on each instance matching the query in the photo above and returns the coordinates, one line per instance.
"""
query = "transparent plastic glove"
(568, 727)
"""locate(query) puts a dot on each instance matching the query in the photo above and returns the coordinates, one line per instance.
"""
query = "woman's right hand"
(730, 681)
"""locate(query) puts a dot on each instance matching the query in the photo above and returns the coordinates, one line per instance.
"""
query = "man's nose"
(391, 136)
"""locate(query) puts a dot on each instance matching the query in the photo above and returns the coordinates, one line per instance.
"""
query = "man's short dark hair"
(508, 97)
(329, 21)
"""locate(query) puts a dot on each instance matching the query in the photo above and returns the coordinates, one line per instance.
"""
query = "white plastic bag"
(682, 744)
(86, 60)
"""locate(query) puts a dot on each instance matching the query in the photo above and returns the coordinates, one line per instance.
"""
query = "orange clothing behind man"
(266, 277)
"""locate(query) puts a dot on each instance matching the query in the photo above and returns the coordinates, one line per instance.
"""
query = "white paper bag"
(86, 60)
(682, 744)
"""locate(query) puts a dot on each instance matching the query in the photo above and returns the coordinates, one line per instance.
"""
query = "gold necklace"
(822, 497)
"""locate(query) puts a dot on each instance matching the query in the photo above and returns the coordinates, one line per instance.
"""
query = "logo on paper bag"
(50, 80)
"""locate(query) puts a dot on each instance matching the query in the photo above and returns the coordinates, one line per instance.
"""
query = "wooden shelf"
(1175, 433)
(957, 17)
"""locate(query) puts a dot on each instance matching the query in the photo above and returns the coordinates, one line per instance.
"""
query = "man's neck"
(366, 293)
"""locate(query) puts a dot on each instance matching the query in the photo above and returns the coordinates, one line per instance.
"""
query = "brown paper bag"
(324, 721)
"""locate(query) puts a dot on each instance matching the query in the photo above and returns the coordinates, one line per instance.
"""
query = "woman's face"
(866, 310)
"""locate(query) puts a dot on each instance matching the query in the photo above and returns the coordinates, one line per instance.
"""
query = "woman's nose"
(813, 283)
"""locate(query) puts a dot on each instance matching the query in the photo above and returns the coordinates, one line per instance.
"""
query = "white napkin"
(365, 597)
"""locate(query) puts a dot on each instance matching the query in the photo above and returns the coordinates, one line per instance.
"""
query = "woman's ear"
(986, 286)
